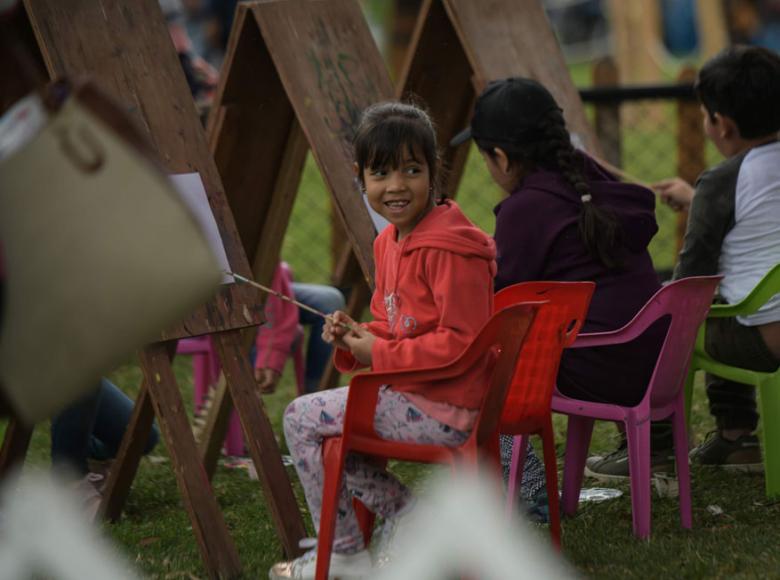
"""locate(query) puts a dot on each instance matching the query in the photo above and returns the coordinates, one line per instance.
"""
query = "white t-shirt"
(752, 247)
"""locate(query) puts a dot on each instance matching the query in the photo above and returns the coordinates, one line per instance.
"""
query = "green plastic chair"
(767, 384)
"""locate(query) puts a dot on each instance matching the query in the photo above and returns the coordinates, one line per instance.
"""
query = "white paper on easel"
(190, 187)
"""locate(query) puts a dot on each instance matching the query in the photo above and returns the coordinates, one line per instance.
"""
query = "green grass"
(155, 532)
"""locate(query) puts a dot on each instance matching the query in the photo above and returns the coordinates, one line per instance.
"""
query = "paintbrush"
(281, 296)
(624, 175)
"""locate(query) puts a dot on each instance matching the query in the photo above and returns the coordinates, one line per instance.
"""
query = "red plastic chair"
(205, 373)
(686, 302)
(506, 330)
(527, 408)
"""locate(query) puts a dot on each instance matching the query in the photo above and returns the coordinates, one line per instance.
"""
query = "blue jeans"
(326, 299)
(92, 428)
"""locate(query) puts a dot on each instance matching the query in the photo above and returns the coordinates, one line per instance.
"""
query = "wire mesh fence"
(651, 143)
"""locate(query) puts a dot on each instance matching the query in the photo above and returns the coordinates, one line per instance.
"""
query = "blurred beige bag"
(100, 256)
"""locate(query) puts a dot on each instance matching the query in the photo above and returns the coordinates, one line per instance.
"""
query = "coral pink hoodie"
(434, 292)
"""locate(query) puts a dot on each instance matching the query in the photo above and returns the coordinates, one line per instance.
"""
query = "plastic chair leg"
(333, 464)
(769, 399)
(680, 433)
(516, 467)
(234, 440)
(365, 518)
(551, 476)
(688, 388)
(639, 470)
(578, 436)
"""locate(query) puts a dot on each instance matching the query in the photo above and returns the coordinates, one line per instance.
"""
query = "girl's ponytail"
(600, 231)
(601, 234)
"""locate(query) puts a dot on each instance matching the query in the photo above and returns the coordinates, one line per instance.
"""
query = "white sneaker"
(342, 566)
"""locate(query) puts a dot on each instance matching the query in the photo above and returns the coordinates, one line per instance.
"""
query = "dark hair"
(600, 231)
(387, 129)
(743, 83)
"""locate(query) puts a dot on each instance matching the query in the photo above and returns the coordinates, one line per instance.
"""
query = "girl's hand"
(360, 342)
(675, 192)
(334, 330)
(266, 379)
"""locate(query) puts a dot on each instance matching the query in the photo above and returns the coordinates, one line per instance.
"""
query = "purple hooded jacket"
(537, 238)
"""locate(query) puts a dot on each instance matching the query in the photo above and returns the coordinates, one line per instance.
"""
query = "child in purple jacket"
(567, 218)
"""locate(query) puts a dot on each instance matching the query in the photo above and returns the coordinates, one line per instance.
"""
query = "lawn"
(741, 542)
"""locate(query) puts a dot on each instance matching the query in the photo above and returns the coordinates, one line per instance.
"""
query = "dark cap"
(508, 111)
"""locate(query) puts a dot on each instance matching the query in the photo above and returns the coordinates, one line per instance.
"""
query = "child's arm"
(709, 220)
(275, 337)
(675, 192)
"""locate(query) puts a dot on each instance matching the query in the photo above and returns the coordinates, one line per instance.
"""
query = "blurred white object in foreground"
(461, 528)
(42, 534)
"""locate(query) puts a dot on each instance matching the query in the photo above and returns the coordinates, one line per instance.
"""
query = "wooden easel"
(126, 48)
(297, 75)
(459, 46)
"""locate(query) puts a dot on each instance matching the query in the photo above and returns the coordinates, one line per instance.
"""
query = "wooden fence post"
(690, 146)
(607, 120)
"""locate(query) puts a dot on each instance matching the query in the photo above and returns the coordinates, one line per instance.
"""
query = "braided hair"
(600, 231)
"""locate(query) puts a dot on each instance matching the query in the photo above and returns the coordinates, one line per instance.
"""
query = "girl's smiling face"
(402, 195)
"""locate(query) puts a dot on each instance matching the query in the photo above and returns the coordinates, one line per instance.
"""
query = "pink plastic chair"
(686, 302)
(206, 369)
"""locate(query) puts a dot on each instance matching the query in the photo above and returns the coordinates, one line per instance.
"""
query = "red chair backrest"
(555, 327)
(506, 331)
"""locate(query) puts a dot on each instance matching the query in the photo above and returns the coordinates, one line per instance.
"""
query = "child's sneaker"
(537, 510)
(615, 465)
(743, 454)
(342, 566)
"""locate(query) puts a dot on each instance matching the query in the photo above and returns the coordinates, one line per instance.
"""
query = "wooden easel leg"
(15, 444)
(261, 441)
(124, 468)
(213, 434)
(216, 547)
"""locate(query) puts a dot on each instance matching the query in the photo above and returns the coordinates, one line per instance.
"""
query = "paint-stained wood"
(257, 145)
(499, 39)
(278, 98)
(126, 48)
(438, 72)
(328, 80)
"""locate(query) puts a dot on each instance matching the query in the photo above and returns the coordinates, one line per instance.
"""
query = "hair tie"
(586, 198)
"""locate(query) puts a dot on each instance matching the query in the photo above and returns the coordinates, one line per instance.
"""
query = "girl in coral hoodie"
(434, 291)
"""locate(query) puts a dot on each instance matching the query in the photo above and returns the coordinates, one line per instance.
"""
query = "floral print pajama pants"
(311, 417)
